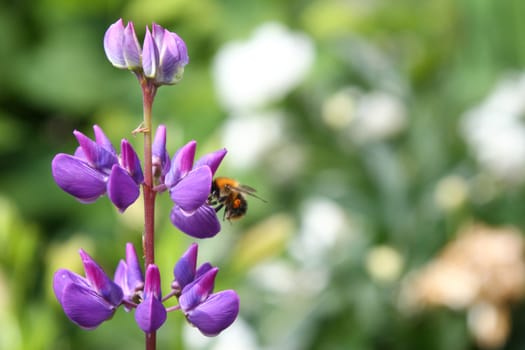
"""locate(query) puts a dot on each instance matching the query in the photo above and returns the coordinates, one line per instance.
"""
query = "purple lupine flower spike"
(87, 301)
(151, 314)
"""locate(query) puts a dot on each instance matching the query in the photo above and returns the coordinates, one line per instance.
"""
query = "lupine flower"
(87, 301)
(186, 271)
(95, 169)
(162, 59)
(210, 312)
(189, 186)
(164, 56)
(128, 276)
(150, 313)
(122, 46)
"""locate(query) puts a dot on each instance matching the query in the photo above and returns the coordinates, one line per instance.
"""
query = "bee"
(229, 194)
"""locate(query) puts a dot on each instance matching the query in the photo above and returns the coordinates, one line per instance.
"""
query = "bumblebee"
(229, 194)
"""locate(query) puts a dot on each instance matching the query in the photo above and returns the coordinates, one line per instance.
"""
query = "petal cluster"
(210, 312)
(189, 186)
(162, 57)
(95, 169)
(87, 301)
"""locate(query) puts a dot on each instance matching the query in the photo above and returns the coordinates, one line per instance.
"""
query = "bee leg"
(219, 207)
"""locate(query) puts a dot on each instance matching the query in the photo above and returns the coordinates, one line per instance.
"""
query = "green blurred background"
(376, 131)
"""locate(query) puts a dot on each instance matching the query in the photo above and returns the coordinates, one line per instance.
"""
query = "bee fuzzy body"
(229, 194)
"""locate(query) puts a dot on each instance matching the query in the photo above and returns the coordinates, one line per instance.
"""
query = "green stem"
(148, 94)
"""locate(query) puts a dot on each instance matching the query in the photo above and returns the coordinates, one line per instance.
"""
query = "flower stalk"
(148, 94)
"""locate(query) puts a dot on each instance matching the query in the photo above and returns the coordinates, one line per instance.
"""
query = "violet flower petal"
(161, 158)
(131, 47)
(62, 278)
(181, 163)
(102, 140)
(198, 291)
(212, 160)
(99, 281)
(184, 270)
(215, 314)
(177, 56)
(122, 189)
(150, 313)
(134, 271)
(192, 190)
(201, 223)
(77, 178)
(128, 274)
(97, 156)
(203, 269)
(168, 58)
(113, 43)
(85, 307)
(150, 56)
(130, 161)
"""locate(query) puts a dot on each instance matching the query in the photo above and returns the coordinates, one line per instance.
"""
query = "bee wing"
(250, 191)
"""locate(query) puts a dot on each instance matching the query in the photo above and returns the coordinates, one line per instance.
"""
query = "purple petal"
(113, 42)
(150, 314)
(130, 161)
(122, 189)
(120, 277)
(161, 158)
(77, 178)
(85, 307)
(184, 270)
(181, 163)
(201, 223)
(212, 160)
(99, 281)
(198, 291)
(168, 59)
(184, 59)
(97, 156)
(152, 284)
(157, 33)
(62, 278)
(134, 275)
(173, 55)
(131, 47)
(150, 56)
(216, 314)
(192, 190)
(203, 269)
(102, 140)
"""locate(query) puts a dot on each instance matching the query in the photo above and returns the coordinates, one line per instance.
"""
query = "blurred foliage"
(300, 261)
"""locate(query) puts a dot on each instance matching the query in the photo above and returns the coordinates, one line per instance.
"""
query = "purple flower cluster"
(89, 301)
(95, 169)
(162, 58)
